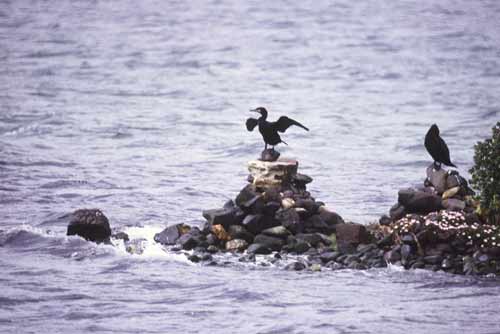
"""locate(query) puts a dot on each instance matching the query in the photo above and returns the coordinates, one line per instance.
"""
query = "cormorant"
(437, 148)
(269, 130)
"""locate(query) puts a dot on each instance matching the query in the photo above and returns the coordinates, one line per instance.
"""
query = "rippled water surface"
(138, 108)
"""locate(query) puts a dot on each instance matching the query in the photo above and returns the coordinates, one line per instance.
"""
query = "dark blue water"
(138, 108)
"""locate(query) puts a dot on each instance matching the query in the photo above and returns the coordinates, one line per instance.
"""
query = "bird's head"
(261, 110)
(434, 129)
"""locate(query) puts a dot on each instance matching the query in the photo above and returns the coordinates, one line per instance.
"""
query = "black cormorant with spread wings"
(269, 130)
(437, 148)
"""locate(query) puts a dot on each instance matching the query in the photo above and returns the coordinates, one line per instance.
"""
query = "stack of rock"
(436, 227)
(274, 212)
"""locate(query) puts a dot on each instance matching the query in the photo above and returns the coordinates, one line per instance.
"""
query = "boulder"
(438, 178)
(451, 192)
(226, 216)
(397, 212)
(90, 224)
(272, 174)
(297, 266)
(257, 223)
(258, 249)
(189, 241)
(277, 231)
(273, 243)
(316, 223)
(301, 180)
(239, 232)
(287, 203)
(419, 201)
(170, 234)
(350, 235)
(271, 208)
(236, 245)
(290, 219)
(329, 217)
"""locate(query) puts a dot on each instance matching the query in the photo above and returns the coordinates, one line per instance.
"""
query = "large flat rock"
(268, 174)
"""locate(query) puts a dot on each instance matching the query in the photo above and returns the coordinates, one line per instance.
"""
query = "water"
(138, 108)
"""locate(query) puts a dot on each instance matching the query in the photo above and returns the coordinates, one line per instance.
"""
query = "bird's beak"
(254, 110)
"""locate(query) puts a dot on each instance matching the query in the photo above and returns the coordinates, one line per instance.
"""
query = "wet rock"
(405, 252)
(454, 204)
(236, 245)
(269, 155)
(437, 178)
(350, 235)
(226, 216)
(366, 248)
(290, 219)
(212, 249)
(90, 224)
(305, 203)
(297, 266)
(301, 180)
(189, 241)
(239, 232)
(452, 181)
(170, 234)
(433, 259)
(272, 195)
(257, 223)
(329, 217)
(194, 258)
(419, 201)
(258, 249)
(272, 243)
(329, 256)
(418, 265)
(277, 231)
(271, 208)
(121, 236)
(447, 264)
(248, 193)
(315, 267)
(311, 238)
(316, 224)
(397, 212)
(272, 174)
(393, 256)
(408, 239)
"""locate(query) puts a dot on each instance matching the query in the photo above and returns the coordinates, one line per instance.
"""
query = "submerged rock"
(170, 234)
(90, 224)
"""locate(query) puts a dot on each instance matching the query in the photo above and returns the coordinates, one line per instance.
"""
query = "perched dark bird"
(269, 130)
(437, 148)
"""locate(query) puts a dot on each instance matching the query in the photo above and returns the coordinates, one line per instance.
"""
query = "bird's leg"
(272, 148)
(265, 146)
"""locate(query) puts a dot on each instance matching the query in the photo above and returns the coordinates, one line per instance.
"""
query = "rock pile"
(274, 212)
(436, 228)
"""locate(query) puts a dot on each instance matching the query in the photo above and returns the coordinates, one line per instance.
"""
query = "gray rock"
(236, 245)
(438, 178)
(393, 256)
(433, 259)
(212, 249)
(271, 208)
(405, 252)
(419, 201)
(90, 224)
(272, 243)
(257, 223)
(277, 231)
(297, 266)
(239, 232)
(188, 241)
(385, 220)
(301, 180)
(290, 219)
(226, 216)
(329, 256)
(269, 155)
(397, 212)
(121, 236)
(258, 249)
(170, 234)
(350, 236)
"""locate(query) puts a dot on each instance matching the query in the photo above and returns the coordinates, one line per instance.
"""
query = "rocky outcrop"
(90, 224)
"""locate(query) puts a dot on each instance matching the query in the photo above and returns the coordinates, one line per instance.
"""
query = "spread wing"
(284, 123)
(251, 124)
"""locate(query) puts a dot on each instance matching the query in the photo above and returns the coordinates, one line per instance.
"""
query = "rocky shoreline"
(431, 227)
